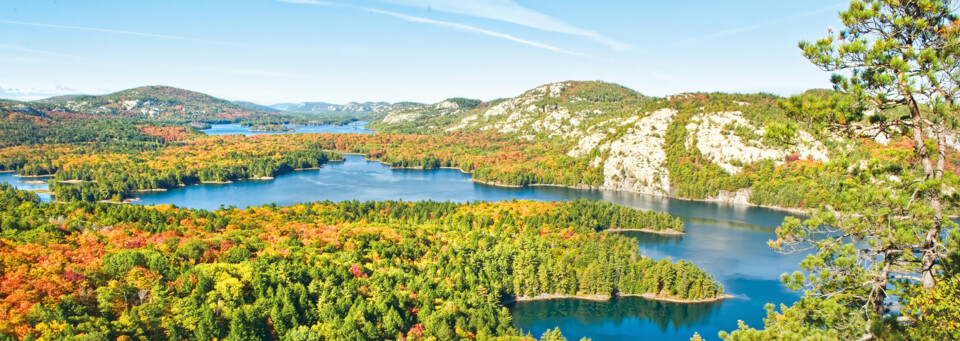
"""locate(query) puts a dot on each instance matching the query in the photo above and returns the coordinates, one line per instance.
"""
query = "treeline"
(117, 181)
(375, 270)
(601, 215)
(489, 157)
(112, 171)
(16, 132)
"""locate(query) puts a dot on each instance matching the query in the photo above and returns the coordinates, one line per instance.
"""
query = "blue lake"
(21, 183)
(726, 240)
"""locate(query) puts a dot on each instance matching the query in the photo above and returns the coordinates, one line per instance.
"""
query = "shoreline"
(124, 202)
(33, 182)
(798, 211)
(654, 297)
(491, 183)
(669, 232)
(149, 190)
(580, 187)
(34, 176)
(606, 298)
(547, 297)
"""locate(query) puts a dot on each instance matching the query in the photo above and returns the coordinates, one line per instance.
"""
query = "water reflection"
(618, 311)
(652, 238)
(636, 318)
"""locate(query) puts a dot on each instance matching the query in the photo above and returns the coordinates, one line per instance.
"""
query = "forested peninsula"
(351, 270)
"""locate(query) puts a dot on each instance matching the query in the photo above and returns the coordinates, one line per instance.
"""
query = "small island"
(272, 128)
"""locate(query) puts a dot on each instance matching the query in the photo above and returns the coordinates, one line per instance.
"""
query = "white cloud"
(41, 52)
(447, 24)
(511, 12)
(747, 28)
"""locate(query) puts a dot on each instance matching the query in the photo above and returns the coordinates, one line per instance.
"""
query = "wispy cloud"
(256, 72)
(130, 33)
(511, 12)
(757, 26)
(40, 52)
(447, 24)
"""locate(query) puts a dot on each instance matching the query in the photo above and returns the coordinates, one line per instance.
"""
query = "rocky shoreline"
(648, 230)
(605, 298)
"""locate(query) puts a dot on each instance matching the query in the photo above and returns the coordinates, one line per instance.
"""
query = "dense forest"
(112, 170)
(373, 270)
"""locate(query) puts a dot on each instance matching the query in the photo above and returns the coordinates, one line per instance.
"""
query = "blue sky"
(270, 51)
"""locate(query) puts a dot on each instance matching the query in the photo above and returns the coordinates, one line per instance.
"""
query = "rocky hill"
(160, 103)
(353, 109)
(699, 146)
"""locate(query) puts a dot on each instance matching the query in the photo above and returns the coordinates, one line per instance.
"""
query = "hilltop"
(159, 103)
(708, 146)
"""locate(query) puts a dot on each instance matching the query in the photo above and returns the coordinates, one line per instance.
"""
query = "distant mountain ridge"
(348, 109)
(161, 103)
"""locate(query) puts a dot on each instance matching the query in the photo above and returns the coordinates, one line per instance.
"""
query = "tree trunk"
(880, 285)
(932, 236)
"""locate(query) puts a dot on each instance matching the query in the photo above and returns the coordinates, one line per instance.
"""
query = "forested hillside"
(149, 104)
(376, 270)
(159, 103)
(742, 148)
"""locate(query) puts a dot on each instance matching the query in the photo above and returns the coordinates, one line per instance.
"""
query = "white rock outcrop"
(729, 151)
(401, 116)
(129, 105)
(447, 105)
(739, 197)
(522, 115)
(635, 161)
(586, 145)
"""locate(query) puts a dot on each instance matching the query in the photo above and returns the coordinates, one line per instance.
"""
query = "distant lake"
(20, 183)
(728, 241)
(356, 127)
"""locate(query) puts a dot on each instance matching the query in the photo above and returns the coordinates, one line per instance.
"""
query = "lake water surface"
(726, 240)
(20, 183)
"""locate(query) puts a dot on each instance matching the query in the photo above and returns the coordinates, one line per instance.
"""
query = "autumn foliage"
(374, 270)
